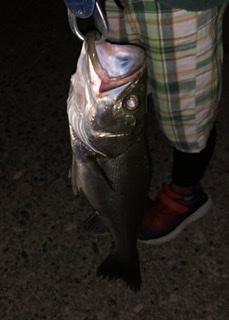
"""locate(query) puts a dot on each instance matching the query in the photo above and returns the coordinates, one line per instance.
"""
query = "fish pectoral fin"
(100, 171)
(95, 225)
(114, 267)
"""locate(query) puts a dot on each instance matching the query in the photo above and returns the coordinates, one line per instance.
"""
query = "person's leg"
(183, 201)
(116, 22)
(185, 61)
(189, 168)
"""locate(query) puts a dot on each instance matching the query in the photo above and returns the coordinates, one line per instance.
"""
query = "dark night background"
(47, 262)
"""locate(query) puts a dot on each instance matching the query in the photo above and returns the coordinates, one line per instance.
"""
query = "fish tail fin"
(114, 267)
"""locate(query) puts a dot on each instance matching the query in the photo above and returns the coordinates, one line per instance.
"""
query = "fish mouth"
(113, 65)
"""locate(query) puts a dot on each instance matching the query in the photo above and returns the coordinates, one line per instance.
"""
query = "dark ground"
(47, 262)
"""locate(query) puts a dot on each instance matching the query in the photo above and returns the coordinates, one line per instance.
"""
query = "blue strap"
(81, 8)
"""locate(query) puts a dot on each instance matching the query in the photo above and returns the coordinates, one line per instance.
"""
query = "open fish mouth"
(112, 66)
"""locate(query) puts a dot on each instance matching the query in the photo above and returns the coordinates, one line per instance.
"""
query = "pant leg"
(184, 51)
(116, 22)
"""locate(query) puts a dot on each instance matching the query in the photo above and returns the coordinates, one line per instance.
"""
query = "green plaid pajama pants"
(184, 60)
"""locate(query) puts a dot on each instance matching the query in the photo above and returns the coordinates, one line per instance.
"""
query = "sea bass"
(106, 112)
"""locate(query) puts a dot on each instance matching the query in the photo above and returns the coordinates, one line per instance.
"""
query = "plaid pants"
(184, 59)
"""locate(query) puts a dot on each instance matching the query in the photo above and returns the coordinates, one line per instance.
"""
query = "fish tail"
(114, 267)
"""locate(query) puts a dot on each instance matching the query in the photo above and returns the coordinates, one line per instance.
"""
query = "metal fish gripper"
(83, 9)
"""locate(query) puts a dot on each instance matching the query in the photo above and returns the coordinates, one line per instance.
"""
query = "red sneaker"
(170, 213)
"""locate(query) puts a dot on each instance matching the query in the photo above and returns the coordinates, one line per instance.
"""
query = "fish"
(106, 110)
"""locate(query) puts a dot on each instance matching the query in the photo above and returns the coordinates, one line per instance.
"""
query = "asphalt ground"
(48, 262)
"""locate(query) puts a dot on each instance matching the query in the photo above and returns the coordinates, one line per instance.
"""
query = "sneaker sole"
(195, 216)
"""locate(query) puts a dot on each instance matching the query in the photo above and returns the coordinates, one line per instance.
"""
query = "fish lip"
(107, 82)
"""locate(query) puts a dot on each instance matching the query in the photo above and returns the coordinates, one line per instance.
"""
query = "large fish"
(106, 112)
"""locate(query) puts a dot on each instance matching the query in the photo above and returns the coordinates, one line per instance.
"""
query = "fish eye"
(132, 102)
